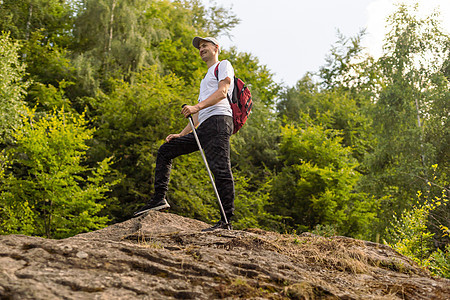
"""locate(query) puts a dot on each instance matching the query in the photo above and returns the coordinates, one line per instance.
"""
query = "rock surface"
(165, 256)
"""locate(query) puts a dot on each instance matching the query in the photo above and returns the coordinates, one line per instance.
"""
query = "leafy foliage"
(12, 87)
(407, 106)
(336, 109)
(340, 63)
(410, 235)
(46, 190)
(316, 184)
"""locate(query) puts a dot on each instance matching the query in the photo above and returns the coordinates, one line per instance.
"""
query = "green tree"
(132, 122)
(12, 86)
(317, 182)
(111, 39)
(342, 62)
(410, 111)
(22, 18)
(255, 146)
(46, 189)
(257, 77)
(252, 203)
(297, 100)
(212, 20)
(44, 29)
(336, 109)
(410, 235)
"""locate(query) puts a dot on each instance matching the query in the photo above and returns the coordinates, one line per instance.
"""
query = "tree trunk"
(109, 37)
(30, 15)
(419, 124)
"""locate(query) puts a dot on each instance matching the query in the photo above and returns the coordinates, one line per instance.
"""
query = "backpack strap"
(216, 73)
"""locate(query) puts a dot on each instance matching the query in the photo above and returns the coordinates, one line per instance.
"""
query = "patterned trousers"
(214, 135)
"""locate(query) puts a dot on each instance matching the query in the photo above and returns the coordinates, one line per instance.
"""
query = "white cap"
(197, 39)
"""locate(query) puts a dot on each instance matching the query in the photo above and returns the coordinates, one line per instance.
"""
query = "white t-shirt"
(209, 85)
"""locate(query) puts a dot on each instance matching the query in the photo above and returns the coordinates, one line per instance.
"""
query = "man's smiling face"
(207, 50)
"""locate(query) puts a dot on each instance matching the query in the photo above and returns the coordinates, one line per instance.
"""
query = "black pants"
(214, 135)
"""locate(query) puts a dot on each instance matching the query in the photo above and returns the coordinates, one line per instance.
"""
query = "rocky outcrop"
(165, 256)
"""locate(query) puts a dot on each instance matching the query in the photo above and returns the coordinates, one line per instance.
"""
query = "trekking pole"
(191, 121)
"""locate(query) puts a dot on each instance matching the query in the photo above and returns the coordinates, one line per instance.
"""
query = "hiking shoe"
(152, 205)
(219, 225)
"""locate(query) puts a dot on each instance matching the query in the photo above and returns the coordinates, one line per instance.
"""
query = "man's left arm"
(215, 98)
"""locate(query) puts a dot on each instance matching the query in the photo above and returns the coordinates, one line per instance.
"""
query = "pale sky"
(292, 37)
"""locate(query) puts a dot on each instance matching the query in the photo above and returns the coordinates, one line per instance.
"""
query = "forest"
(90, 89)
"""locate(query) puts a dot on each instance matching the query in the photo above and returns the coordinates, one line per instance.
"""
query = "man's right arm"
(216, 97)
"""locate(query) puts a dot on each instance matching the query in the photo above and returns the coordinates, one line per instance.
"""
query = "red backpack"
(241, 101)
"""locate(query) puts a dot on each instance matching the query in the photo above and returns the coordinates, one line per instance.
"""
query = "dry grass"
(344, 255)
(341, 254)
(336, 254)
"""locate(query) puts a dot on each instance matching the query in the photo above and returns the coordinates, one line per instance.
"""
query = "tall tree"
(51, 17)
(12, 86)
(115, 38)
(214, 20)
(44, 29)
(411, 98)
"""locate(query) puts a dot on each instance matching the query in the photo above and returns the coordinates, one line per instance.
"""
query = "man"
(214, 118)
